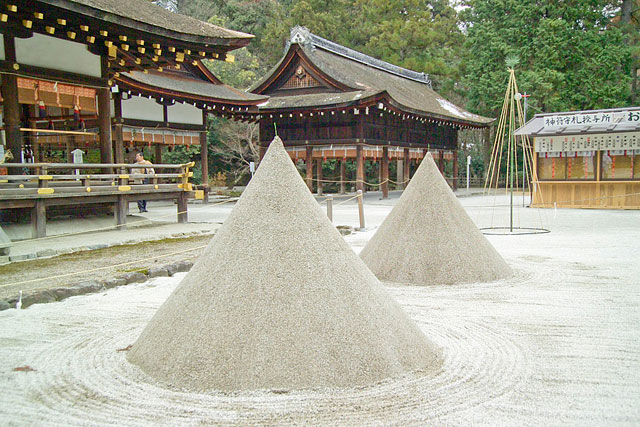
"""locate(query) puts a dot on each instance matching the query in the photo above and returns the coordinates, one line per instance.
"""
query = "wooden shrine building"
(61, 60)
(164, 110)
(330, 102)
(586, 159)
(108, 76)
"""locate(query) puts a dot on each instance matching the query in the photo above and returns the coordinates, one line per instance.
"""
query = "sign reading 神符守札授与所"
(592, 119)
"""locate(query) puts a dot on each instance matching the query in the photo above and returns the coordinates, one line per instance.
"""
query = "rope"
(101, 268)
(345, 201)
(371, 184)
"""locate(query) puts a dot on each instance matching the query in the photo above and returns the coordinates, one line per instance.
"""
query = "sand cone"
(278, 300)
(428, 238)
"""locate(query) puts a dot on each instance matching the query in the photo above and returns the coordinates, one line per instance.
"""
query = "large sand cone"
(428, 238)
(278, 300)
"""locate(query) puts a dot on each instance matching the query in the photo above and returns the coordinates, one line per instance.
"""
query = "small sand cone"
(428, 238)
(278, 300)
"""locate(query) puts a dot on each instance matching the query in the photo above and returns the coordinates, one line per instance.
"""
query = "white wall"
(57, 54)
(184, 113)
(1, 47)
(141, 108)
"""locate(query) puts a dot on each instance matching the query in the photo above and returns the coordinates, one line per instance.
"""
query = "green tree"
(571, 57)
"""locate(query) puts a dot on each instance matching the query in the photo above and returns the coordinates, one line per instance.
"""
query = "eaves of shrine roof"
(352, 71)
(145, 16)
(182, 85)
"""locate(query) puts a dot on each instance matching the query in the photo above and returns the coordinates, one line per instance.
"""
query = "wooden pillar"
(11, 107)
(455, 170)
(263, 151)
(343, 176)
(384, 166)
(117, 129)
(359, 168)
(69, 147)
(182, 207)
(309, 167)
(104, 118)
(39, 220)
(204, 155)
(486, 152)
(319, 176)
(441, 162)
(121, 209)
(158, 154)
(406, 169)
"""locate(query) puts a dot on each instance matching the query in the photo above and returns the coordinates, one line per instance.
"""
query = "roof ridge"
(302, 36)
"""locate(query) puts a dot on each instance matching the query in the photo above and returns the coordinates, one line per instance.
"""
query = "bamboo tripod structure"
(511, 118)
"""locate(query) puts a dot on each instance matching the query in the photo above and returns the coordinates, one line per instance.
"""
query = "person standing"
(140, 160)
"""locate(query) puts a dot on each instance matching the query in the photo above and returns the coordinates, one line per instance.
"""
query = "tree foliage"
(570, 55)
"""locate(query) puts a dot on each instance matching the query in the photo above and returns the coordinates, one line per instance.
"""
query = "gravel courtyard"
(558, 343)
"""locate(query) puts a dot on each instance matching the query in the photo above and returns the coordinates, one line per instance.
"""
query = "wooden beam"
(385, 172)
(31, 71)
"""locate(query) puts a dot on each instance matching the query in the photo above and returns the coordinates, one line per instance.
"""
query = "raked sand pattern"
(556, 344)
(429, 239)
(279, 301)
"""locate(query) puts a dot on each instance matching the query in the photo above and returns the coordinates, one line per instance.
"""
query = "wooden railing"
(59, 184)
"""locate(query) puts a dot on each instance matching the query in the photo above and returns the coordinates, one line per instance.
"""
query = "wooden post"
(406, 169)
(319, 176)
(121, 212)
(441, 162)
(117, 128)
(359, 168)
(158, 154)
(182, 207)
(104, 118)
(361, 210)
(343, 176)
(11, 107)
(182, 198)
(330, 207)
(385, 172)
(455, 170)
(486, 152)
(309, 166)
(39, 220)
(121, 207)
(204, 158)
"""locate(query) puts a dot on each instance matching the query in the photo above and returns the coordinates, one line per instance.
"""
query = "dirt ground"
(56, 271)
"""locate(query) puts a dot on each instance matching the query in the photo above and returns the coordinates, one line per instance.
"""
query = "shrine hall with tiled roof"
(327, 101)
